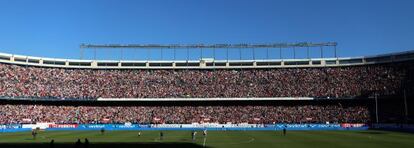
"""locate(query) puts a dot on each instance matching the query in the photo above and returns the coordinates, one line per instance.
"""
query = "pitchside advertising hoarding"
(63, 125)
(197, 126)
(10, 126)
(351, 125)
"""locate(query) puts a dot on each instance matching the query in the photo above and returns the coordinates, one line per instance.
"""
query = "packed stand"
(27, 81)
(12, 114)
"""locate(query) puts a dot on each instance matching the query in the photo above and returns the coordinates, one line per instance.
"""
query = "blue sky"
(56, 28)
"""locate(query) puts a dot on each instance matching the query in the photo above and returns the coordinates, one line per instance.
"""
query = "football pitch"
(214, 139)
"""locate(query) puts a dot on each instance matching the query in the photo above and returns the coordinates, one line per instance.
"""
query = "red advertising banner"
(345, 125)
(63, 125)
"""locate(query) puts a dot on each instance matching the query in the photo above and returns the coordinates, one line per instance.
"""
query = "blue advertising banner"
(213, 127)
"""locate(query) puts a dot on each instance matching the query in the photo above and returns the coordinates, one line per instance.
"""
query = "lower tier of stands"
(266, 112)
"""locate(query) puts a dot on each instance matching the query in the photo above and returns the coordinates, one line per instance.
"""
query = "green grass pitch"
(215, 139)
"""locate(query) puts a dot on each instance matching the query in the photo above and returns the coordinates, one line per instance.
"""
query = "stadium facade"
(203, 63)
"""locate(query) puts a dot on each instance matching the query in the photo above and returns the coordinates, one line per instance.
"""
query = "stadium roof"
(271, 45)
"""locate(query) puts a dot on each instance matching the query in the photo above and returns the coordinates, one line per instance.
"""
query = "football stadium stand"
(385, 75)
(312, 91)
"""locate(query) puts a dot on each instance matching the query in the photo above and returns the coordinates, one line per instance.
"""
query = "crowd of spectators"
(28, 81)
(11, 114)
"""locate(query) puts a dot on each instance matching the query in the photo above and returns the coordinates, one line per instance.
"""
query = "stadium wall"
(203, 64)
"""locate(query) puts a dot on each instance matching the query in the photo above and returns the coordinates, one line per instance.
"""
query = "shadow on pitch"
(372, 132)
(99, 145)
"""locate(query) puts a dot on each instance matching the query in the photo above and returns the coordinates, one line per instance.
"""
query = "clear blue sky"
(55, 28)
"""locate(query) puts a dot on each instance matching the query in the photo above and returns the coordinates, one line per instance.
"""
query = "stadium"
(250, 102)
(206, 74)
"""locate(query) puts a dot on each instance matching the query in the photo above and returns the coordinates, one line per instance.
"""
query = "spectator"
(11, 114)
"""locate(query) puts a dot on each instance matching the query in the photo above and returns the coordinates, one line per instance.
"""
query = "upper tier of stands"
(334, 82)
(19, 79)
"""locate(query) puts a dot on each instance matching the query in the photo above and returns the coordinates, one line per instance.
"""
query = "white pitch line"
(251, 140)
